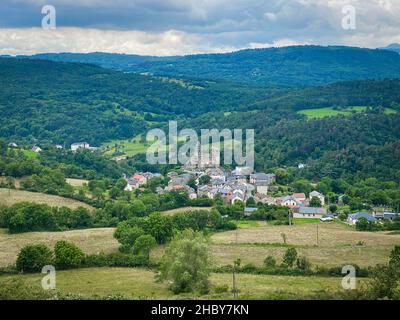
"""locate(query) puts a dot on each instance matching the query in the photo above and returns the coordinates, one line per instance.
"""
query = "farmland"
(10, 197)
(331, 112)
(252, 242)
(90, 240)
(128, 147)
(138, 283)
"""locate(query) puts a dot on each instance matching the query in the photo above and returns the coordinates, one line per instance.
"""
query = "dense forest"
(288, 66)
(66, 102)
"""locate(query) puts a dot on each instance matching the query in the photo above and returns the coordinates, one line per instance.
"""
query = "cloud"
(189, 26)
(36, 40)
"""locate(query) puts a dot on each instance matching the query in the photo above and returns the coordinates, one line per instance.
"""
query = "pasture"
(139, 283)
(330, 244)
(90, 240)
(10, 197)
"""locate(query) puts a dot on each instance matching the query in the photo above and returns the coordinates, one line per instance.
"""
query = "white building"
(79, 145)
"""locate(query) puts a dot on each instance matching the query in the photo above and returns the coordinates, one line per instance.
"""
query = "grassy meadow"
(12, 196)
(139, 283)
(251, 242)
(330, 112)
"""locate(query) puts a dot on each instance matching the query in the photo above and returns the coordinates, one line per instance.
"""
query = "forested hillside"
(354, 147)
(289, 66)
(68, 102)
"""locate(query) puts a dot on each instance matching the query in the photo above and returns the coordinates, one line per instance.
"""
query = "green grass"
(248, 224)
(329, 112)
(390, 111)
(304, 221)
(128, 147)
(139, 283)
(30, 154)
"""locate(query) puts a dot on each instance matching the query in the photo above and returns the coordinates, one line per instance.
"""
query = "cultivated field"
(77, 182)
(90, 240)
(10, 197)
(185, 209)
(336, 244)
(138, 283)
(252, 242)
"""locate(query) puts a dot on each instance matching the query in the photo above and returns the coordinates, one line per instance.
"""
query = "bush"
(17, 289)
(303, 264)
(68, 255)
(270, 262)
(115, 260)
(33, 258)
(221, 289)
(290, 257)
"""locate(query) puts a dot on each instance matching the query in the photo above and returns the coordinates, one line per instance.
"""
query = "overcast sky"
(171, 27)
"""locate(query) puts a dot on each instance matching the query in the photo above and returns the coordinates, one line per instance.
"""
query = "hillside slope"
(67, 102)
(291, 66)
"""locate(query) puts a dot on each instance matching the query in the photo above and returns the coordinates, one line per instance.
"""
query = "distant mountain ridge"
(288, 66)
(395, 47)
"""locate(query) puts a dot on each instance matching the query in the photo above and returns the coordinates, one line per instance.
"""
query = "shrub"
(303, 264)
(290, 257)
(33, 258)
(270, 262)
(221, 289)
(115, 260)
(68, 255)
(17, 289)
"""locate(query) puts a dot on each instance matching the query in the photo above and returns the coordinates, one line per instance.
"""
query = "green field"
(330, 112)
(128, 147)
(139, 283)
(252, 243)
(30, 154)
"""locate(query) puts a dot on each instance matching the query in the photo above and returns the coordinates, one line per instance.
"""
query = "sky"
(178, 27)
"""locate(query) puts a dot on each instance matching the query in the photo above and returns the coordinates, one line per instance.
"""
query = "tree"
(204, 180)
(127, 235)
(290, 257)
(302, 185)
(68, 255)
(251, 202)
(144, 244)
(315, 202)
(362, 224)
(186, 262)
(333, 208)
(33, 258)
(121, 184)
(114, 193)
(138, 208)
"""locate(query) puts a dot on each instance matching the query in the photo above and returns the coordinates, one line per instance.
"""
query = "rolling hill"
(288, 66)
(63, 102)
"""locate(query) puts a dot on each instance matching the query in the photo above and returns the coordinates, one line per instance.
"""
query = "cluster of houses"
(82, 145)
(376, 216)
(231, 186)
